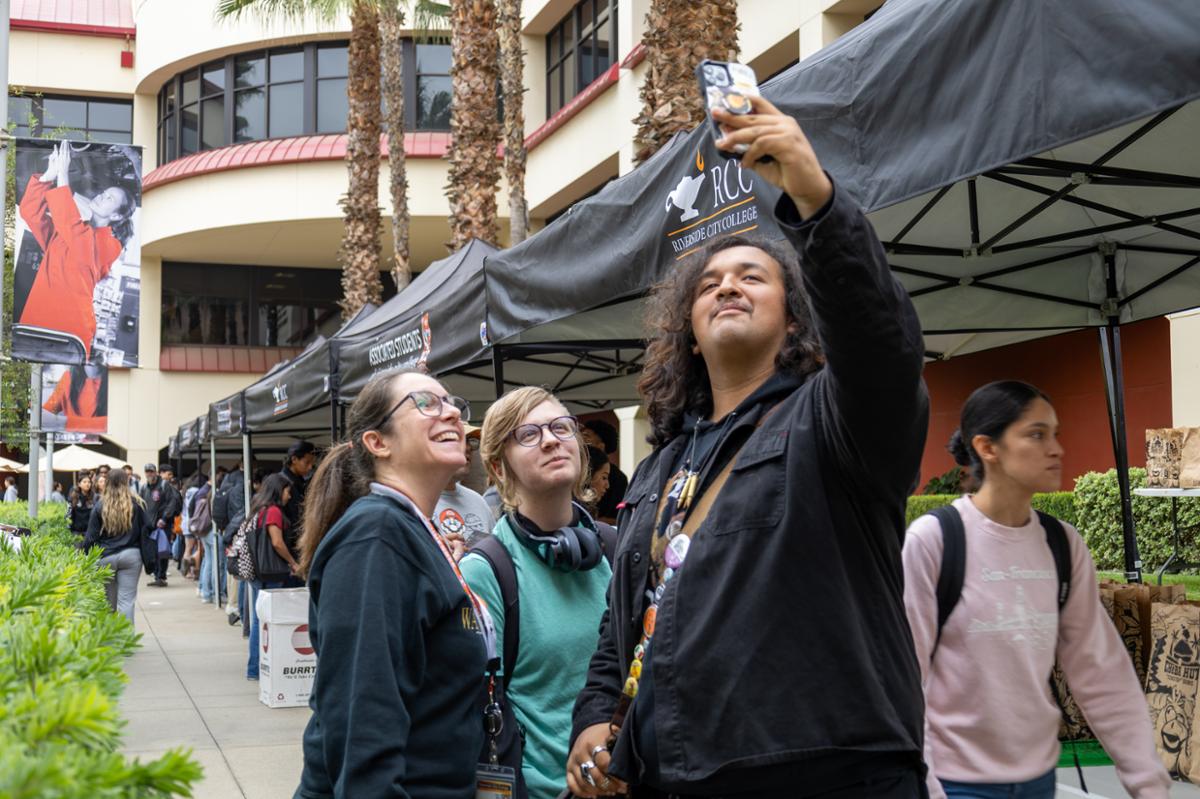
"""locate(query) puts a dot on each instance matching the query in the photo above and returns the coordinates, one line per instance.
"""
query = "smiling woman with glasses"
(397, 630)
(531, 448)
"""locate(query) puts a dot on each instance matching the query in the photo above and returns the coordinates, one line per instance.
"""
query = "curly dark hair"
(674, 380)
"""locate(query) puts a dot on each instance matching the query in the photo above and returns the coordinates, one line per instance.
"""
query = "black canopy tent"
(437, 321)
(1030, 165)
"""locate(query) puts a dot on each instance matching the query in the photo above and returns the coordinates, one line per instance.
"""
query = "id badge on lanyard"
(495, 782)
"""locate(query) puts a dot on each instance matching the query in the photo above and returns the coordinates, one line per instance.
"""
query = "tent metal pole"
(1114, 386)
(213, 556)
(333, 417)
(498, 370)
(247, 468)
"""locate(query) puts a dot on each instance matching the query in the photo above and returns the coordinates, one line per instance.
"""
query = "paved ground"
(186, 688)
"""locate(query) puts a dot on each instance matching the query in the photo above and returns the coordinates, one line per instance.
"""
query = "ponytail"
(344, 475)
(346, 471)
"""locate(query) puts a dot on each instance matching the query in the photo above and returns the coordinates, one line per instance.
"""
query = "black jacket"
(130, 539)
(395, 701)
(784, 637)
(163, 503)
(235, 484)
(79, 511)
(294, 509)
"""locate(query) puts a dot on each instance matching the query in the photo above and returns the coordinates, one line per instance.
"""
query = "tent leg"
(341, 421)
(1114, 386)
(217, 544)
(333, 418)
(498, 370)
(247, 468)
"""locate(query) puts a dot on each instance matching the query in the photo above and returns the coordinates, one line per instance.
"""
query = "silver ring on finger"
(597, 750)
(585, 771)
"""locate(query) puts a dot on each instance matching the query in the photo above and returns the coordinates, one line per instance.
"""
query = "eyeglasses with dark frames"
(564, 428)
(430, 404)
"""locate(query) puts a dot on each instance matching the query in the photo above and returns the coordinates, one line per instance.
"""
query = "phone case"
(727, 85)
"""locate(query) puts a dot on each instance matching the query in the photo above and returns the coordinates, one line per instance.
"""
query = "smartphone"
(727, 85)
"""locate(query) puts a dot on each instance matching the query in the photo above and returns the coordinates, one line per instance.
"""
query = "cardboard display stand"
(287, 664)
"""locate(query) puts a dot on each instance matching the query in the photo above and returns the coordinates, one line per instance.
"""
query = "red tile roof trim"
(326, 147)
(636, 56)
(577, 104)
(199, 358)
(41, 26)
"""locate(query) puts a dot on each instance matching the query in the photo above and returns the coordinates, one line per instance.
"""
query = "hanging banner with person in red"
(75, 398)
(77, 252)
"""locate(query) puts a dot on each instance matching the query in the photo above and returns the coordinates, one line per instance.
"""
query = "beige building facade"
(240, 125)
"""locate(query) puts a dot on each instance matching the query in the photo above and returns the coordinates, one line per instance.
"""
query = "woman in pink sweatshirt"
(991, 723)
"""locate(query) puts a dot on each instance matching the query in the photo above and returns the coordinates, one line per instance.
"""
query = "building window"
(241, 306)
(270, 94)
(433, 87)
(92, 119)
(578, 50)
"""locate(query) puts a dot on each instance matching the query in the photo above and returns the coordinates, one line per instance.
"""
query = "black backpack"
(510, 743)
(954, 560)
(954, 570)
(220, 507)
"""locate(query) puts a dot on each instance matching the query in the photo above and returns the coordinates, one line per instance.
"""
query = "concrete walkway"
(187, 687)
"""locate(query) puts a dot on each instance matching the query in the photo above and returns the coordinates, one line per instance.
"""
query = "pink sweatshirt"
(989, 714)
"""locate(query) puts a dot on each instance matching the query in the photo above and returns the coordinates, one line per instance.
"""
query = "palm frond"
(430, 20)
(289, 10)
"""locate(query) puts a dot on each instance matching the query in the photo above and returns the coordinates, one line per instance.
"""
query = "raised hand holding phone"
(794, 168)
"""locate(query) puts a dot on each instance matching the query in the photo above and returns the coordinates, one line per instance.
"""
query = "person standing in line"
(163, 503)
(79, 504)
(603, 436)
(460, 512)
(402, 640)
(788, 412)
(185, 550)
(57, 494)
(10, 489)
(992, 724)
(532, 450)
(135, 485)
(599, 468)
(117, 524)
(267, 510)
(297, 467)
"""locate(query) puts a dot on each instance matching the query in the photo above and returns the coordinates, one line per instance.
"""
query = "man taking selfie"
(755, 642)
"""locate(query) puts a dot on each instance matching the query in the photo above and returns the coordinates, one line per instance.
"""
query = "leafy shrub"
(1098, 506)
(1059, 504)
(948, 483)
(61, 652)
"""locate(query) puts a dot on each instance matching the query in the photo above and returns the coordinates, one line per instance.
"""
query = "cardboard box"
(287, 663)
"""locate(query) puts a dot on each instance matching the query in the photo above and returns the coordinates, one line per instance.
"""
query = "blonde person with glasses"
(401, 640)
(533, 453)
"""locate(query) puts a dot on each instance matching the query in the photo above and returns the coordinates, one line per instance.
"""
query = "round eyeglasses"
(564, 428)
(430, 404)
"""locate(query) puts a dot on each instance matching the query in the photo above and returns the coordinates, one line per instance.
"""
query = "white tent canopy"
(76, 459)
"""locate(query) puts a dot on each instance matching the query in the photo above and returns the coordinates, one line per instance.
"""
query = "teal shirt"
(560, 621)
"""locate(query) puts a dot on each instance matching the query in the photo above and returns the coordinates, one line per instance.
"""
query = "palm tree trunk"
(512, 73)
(359, 252)
(679, 35)
(475, 132)
(391, 22)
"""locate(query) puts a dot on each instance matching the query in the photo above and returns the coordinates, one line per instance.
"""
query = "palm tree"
(391, 23)
(512, 74)
(679, 35)
(475, 132)
(359, 252)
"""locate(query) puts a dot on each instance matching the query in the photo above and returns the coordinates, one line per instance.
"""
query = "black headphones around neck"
(576, 547)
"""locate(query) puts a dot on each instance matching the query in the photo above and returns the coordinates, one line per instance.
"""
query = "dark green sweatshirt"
(399, 663)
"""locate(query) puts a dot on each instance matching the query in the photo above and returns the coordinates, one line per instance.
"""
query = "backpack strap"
(1060, 548)
(490, 549)
(954, 564)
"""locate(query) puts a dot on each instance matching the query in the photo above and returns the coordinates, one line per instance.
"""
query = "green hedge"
(61, 658)
(1059, 504)
(1094, 507)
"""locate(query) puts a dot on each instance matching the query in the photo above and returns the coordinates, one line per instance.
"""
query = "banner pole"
(4, 8)
(217, 545)
(35, 442)
(48, 490)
